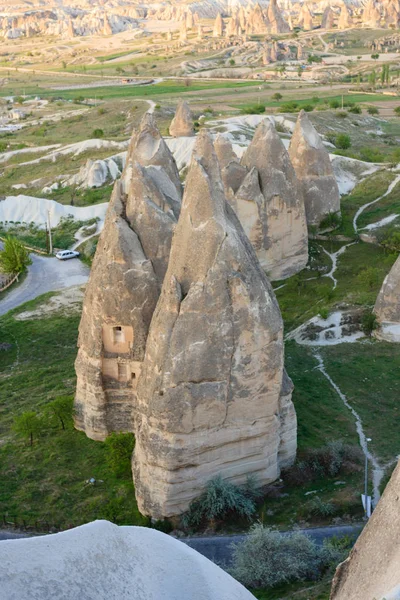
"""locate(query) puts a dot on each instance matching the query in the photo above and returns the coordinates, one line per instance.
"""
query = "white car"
(67, 254)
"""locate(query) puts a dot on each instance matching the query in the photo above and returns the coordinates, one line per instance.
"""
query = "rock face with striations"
(124, 286)
(270, 205)
(328, 18)
(314, 170)
(211, 383)
(182, 123)
(387, 306)
(232, 172)
(372, 570)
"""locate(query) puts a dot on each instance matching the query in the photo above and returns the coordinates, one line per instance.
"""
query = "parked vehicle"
(67, 254)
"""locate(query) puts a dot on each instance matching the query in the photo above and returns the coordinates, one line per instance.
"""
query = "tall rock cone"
(328, 18)
(218, 30)
(121, 295)
(212, 376)
(280, 235)
(277, 23)
(107, 29)
(387, 306)
(345, 20)
(306, 18)
(182, 123)
(372, 569)
(314, 170)
(147, 147)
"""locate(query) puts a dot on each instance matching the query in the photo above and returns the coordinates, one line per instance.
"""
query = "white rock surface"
(101, 561)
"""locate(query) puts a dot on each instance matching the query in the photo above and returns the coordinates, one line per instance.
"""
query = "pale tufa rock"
(182, 123)
(387, 306)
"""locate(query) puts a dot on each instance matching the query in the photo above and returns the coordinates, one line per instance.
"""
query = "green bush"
(341, 114)
(253, 109)
(98, 133)
(119, 448)
(268, 558)
(371, 155)
(369, 322)
(355, 110)
(333, 220)
(343, 141)
(334, 104)
(370, 277)
(320, 508)
(289, 107)
(308, 107)
(372, 110)
(221, 499)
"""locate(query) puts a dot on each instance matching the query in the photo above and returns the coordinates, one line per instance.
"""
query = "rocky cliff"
(210, 393)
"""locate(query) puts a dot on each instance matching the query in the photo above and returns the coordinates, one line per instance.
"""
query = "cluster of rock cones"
(181, 337)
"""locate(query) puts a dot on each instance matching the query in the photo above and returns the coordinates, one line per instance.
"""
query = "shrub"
(397, 110)
(28, 425)
(343, 141)
(60, 410)
(308, 107)
(372, 110)
(342, 114)
(221, 498)
(277, 96)
(371, 155)
(392, 241)
(119, 448)
(289, 107)
(98, 133)
(370, 277)
(355, 110)
(332, 220)
(369, 322)
(320, 508)
(334, 104)
(14, 258)
(268, 558)
(254, 109)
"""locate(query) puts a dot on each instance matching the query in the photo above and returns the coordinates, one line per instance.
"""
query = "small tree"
(28, 425)
(61, 409)
(369, 323)
(14, 259)
(277, 97)
(372, 110)
(397, 111)
(98, 133)
(119, 448)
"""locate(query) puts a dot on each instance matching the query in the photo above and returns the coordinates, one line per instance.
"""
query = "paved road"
(219, 548)
(44, 275)
(10, 535)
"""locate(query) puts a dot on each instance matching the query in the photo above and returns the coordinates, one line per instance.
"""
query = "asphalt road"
(219, 548)
(44, 275)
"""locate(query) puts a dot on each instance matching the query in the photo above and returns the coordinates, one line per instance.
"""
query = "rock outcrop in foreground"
(270, 205)
(210, 391)
(314, 170)
(124, 286)
(387, 306)
(182, 123)
(101, 560)
(372, 570)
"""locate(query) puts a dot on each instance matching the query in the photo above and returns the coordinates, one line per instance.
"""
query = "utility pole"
(367, 505)
(342, 101)
(50, 238)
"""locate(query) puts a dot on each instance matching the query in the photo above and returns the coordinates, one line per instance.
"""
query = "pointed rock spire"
(345, 20)
(182, 123)
(306, 18)
(387, 306)
(328, 18)
(283, 245)
(372, 569)
(147, 147)
(314, 170)
(232, 172)
(121, 295)
(277, 23)
(211, 380)
(218, 30)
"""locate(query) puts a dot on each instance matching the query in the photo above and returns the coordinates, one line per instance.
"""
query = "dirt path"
(364, 206)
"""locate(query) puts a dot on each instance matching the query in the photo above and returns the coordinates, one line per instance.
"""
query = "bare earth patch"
(68, 301)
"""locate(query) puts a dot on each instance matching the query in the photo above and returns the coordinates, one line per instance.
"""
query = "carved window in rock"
(118, 335)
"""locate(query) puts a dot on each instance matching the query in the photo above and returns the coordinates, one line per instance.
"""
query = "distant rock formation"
(306, 18)
(107, 27)
(124, 285)
(270, 205)
(256, 21)
(103, 560)
(95, 173)
(182, 123)
(328, 18)
(218, 30)
(372, 569)
(210, 392)
(233, 28)
(277, 23)
(371, 15)
(345, 20)
(387, 306)
(314, 170)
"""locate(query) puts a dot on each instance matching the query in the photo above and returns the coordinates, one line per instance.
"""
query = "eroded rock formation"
(345, 20)
(218, 30)
(314, 170)
(328, 18)
(270, 205)
(232, 172)
(372, 569)
(277, 23)
(182, 123)
(124, 285)
(210, 392)
(387, 306)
